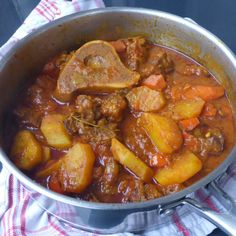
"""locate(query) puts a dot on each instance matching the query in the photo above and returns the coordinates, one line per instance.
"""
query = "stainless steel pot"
(31, 53)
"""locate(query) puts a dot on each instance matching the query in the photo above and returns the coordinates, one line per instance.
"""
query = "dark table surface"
(218, 16)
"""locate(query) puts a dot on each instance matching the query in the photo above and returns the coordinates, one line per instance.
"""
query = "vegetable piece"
(176, 93)
(127, 158)
(46, 153)
(156, 82)
(206, 93)
(209, 110)
(119, 45)
(191, 142)
(54, 184)
(50, 168)
(163, 132)
(181, 169)
(186, 109)
(76, 169)
(158, 160)
(95, 65)
(189, 124)
(26, 151)
(54, 131)
(145, 99)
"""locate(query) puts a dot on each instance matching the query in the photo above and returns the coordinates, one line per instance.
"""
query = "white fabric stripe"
(37, 218)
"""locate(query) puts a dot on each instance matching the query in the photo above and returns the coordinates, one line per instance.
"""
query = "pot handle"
(226, 220)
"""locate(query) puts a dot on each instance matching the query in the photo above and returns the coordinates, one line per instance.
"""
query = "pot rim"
(117, 206)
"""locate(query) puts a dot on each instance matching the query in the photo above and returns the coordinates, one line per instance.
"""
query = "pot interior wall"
(31, 56)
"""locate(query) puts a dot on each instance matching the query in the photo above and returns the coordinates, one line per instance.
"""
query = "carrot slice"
(176, 93)
(205, 92)
(189, 124)
(209, 110)
(118, 45)
(54, 184)
(190, 141)
(156, 82)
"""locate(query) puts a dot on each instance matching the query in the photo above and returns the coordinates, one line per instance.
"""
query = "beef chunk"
(112, 107)
(88, 107)
(37, 102)
(158, 62)
(135, 52)
(208, 141)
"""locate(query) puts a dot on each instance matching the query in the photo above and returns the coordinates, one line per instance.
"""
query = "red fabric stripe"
(206, 199)
(56, 227)
(23, 211)
(10, 198)
(57, 10)
(42, 13)
(179, 225)
(76, 5)
(12, 226)
(45, 10)
(15, 203)
(45, 228)
(48, 10)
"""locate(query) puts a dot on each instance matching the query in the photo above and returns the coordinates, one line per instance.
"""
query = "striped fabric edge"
(49, 10)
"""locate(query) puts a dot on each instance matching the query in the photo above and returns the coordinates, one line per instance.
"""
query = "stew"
(120, 121)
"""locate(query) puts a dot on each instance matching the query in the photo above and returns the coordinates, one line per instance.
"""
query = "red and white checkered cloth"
(20, 215)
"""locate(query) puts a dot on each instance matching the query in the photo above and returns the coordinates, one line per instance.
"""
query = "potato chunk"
(76, 169)
(163, 132)
(46, 154)
(50, 168)
(26, 151)
(127, 158)
(54, 131)
(145, 99)
(184, 167)
(186, 109)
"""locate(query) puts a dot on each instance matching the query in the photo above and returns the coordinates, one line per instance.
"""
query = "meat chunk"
(28, 116)
(158, 62)
(211, 140)
(145, 99)
(101, 131)
(113, 106)
(151, 191)
(132, 189)
(37, 102)
(205, 141)
(89, 122)
(135, 52)
(111, 171)
(40, 92)
(88, 107)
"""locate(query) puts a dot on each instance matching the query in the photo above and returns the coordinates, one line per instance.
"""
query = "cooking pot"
(27, 58)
